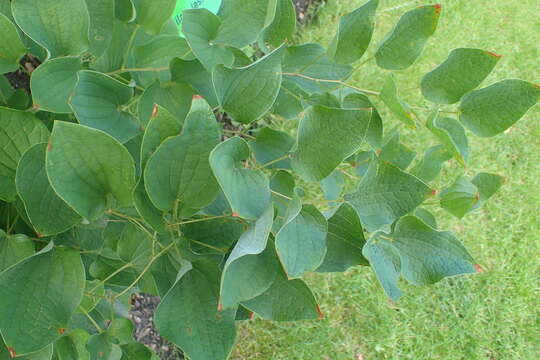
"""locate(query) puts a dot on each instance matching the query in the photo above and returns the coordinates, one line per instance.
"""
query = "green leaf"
(283, 27)
(426, 217)
(146, 209)
(44, 354)
(461, 72)
(354, 34)
(173, 96)
(282, 182)
(96, 102)
(311, 60)
(134, 246)
(72, 346)
(136, 351)
(460, 197)
(101, 346)
(491, 110)
(200, 28)
(242, 21)
(450, 132)
(101, 25)
(188, 315)
(93, 293)
(39, 198)
(344, 241)
(405, 43)
(285, 300)
(332, 185)
(194, 74)
(11, 47)
(60, 26)
(301, 242)
(326, 137)
(246, 190)
(86, 167)
(53, 82)
(14, 248)
(114, 56)
(121, 329)
(6, 91)
(219, 233)
(389, 95)
(252, 265)
(271, 145)
(386, 263)
(488, 185)
(19, 132)
(287, 104)
(248, 93)
(429, 167)
(385, 194)
(396, 153)
(52, 284)
(152, 15)
(374, 132)
(124, 10)
(178, 175)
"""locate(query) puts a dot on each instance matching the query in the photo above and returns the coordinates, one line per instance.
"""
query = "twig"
(371, 92)
(98, 328)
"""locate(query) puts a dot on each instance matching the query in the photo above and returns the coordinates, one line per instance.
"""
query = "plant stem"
(98, 328)
(371, 92)
(280, 194)
(284, 157)
(129, 45)
(123, 70)
(111, 275)
(208, 246)
(199, 220)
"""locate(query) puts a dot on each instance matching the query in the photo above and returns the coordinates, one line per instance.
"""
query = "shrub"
(120, 178)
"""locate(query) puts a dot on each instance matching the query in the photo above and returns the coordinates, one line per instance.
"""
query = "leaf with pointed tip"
(194, 74)
(200, 27)
(361, 161)
(271, 145)
(283, 27)
(344, 241)
(311, 60)
(461, 72)
(19, 132)
(385, 262)
(374, 132)
(252, 265)
(14, 248)
(389, 95)
(242, 21)
(301, 242)
(318, 153)
(152, 15)
(493, 109)
(248, 93)
(60, 26)
(124, 10)
(53, 82)
(405, 43)
(450, 132)
(96, 102)
(179, 173)
(101, 346)
(247, 190)
(188, 315)
(487, 185)
(173, 96)
(354, 34)
(396, 153)
(285, 300)
(11, 47)
(44, 354)
(51, 283)
(429, 167)
(86, 166)
(460, 197)
(385, 194)
(101, 25)
(39, 198)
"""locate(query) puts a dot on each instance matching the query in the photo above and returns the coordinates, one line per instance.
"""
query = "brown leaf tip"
(495, 55)
(12, 352)
(434, 192)
(196, 97)
(49, 146)
(61, 331)
(234, 214)
(154, 111)
(321, 315)
(479, 268)
(220, 307)
(251, 315)
(438, 8)
(39, 235)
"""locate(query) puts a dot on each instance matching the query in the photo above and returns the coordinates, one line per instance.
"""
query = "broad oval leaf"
(301, 241)
(39, 198)
(11, 47)
(405, 43)
(389, 95)
(461, 72)
(96, 102)
(270, 146)
(188, 315)
(53, 82)
(354, 34)
(173, 96)
(326, 137)
(86, 167)
(487, 184)
(385, 194)
(19, 132)
(14, 248)
(152, 15)
(60, 26)
(283, 26)
(178, 175)
(252, 265)
(248, 93)
(52, 284)
(491, 110)
(429, 167)
(460, 197)
(247, 190)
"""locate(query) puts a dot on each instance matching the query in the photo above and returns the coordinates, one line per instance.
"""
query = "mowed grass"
(495, 315)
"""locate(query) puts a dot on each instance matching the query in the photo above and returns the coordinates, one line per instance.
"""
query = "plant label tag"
(181, 5)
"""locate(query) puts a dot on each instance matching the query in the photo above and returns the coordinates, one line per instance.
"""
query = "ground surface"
(493, 316)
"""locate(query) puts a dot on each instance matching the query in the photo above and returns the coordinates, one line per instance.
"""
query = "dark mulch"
(20, 79)
(306, 9)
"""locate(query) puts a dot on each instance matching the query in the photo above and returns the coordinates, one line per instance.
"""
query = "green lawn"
(495, 315)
